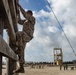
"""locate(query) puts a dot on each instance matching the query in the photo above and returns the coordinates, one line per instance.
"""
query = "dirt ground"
(47, 71)
(50, 71)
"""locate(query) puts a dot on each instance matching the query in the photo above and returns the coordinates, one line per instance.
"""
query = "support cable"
(62, 29)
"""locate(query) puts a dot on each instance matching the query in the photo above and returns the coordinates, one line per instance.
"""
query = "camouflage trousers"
(21, 39)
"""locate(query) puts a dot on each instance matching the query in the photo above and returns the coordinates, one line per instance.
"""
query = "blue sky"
(48, 34)
(34, 4)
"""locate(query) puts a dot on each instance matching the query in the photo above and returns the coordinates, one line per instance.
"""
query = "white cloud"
(49, 35)
(52, 29)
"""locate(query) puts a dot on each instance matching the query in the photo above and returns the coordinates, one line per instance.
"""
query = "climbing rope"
(62, 29)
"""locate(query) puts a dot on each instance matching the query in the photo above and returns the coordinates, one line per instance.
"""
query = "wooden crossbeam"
(57, 48)
(6, 50)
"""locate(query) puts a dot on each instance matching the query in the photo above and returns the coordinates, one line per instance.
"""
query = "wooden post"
(11, 64)
(10, 67)
(1, 27)
(1, 33)
(0, 64)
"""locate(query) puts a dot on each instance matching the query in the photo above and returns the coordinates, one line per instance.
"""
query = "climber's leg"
(21, 61)
(22, 39)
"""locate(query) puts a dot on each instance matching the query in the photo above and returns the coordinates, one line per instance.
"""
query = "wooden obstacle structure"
(58, 56)
(8, 20)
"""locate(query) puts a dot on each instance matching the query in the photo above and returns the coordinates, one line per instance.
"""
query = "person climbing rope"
(24, 36)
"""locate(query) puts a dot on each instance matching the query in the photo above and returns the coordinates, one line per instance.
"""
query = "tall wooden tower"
(58, 56)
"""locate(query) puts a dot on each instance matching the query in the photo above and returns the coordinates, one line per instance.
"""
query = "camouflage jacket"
(28, 23)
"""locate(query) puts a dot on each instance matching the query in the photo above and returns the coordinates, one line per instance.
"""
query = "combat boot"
(20, 69)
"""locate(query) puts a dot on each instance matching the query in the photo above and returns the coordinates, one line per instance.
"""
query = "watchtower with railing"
(58, 56)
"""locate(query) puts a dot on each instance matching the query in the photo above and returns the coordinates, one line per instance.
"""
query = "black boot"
(20, 69)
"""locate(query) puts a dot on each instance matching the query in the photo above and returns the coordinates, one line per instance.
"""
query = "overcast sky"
(48, 34)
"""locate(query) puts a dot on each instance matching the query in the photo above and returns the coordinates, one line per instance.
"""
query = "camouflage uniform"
(26, 35)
